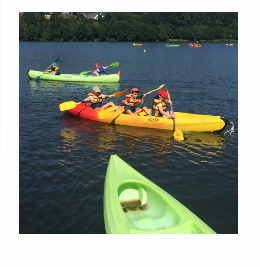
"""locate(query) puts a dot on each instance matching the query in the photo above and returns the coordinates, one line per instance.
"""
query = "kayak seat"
(133, 199)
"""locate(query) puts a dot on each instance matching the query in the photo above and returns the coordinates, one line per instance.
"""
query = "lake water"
(63, 159)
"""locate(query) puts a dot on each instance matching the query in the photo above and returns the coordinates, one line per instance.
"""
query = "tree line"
(130, 26)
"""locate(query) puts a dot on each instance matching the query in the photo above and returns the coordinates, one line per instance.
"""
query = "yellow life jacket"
(131, 102)
(97, 99)
(157, 101)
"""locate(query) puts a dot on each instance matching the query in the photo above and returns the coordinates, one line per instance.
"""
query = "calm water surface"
(63, 159)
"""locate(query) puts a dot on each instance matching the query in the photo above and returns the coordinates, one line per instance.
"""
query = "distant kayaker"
(100, 70)
(131, 102)
(96, 98)
(54, 69)
(159, 105)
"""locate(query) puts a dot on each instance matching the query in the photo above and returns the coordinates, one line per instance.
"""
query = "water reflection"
(197, 147)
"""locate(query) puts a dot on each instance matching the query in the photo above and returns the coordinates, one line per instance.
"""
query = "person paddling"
(54, 69)
(96, 98)
(159, 105)
(100, 70)
(131, 102)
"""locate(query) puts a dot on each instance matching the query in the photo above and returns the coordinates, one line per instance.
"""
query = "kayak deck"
(135, 205)
(73, 77)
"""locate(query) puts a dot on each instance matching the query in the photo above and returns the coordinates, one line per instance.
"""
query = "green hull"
(135, 205)
(109, 78)
(171, 45)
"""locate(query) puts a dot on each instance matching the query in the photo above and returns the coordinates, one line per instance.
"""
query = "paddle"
(177, 134)
(71, 104)
(160, 87)
(114, 64)
(38, 77)
(68, 105)
(105, 112)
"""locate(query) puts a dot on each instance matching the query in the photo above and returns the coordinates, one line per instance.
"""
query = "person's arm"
(125, 101)
(142, 99)
(169, 101)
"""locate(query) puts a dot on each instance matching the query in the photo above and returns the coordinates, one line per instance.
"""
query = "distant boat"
(136, 44)
(228, 45)
(194, 45)
(171, 45)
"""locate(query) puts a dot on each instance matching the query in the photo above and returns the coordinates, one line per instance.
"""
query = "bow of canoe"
(135, 205)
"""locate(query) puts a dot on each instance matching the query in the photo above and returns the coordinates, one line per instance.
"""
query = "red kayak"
(194, 45)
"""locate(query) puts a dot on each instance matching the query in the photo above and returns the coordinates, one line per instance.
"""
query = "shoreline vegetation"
(169, 27)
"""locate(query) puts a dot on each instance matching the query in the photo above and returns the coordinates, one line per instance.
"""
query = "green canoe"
(135, 205)
(171, 45)
(108, 78)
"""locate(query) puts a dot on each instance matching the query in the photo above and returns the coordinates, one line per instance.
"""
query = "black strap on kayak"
(113, 121)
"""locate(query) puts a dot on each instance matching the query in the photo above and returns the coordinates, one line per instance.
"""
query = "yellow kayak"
(185, 121)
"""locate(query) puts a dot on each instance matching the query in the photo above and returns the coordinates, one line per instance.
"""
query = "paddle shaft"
(177, 134)
(160, 87)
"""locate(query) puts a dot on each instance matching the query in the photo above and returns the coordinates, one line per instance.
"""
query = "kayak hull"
(109, 78)
(185, 121)
(135, 205)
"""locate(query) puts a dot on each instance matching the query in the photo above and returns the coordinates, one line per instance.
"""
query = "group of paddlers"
(134, 103)
(99, 70)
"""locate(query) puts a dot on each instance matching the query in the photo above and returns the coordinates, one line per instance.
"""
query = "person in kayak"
(54, 69)
(96, 98)
(132, 101)
(159, 105)
(100, 70)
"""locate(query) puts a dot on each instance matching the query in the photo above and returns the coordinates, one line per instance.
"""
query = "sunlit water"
(63, 159)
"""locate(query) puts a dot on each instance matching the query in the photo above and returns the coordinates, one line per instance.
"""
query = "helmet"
(96, 89)
(54, 64)
(96, 65)
(163, 93)
(135, 90)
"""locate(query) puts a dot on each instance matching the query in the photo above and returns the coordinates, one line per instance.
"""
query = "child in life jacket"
(159, 105)
(96, 98)
(54, 69)
(100, 70)
(132, 101)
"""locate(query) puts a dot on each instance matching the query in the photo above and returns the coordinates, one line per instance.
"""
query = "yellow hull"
(184, 122)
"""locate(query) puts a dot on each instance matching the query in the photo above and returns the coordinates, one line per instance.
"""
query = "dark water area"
(63, 159)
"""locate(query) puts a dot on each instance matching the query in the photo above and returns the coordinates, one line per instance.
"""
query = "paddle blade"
(119, 93)
(68, 105)
(114, 64)
(84, 72)
(178, 135)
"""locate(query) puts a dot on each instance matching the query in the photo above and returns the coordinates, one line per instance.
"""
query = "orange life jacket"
(132, 102)
(156, 101)
(97, 99)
